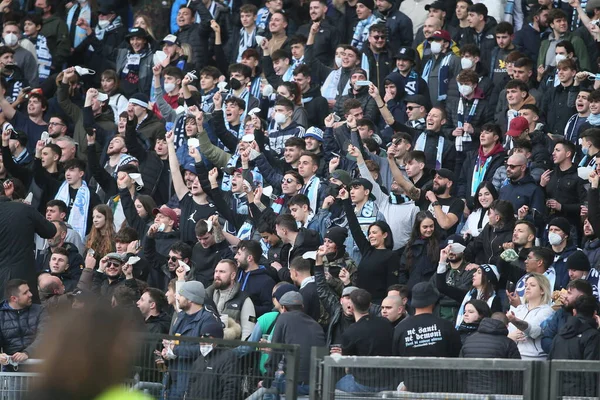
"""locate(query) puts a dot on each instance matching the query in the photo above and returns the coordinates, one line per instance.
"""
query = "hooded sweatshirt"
(259, 286)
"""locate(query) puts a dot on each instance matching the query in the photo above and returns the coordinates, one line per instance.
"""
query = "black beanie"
(562, 223)
(578, 261)
(337, 235)
(370, 4)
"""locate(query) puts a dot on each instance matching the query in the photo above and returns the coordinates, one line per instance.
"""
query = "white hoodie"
(531, 347)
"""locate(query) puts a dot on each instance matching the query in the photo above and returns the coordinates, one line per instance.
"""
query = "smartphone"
(27, 89)
(90, 131)
(510, 286)
(45, 137)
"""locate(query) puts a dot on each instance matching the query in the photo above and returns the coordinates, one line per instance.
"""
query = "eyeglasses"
(174, 259)
(410, 108)
(288, 180)
(513, 166)
(379, 37)
(56, 123)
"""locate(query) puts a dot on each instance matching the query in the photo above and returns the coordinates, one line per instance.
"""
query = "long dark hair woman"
(378, 268)
(475, 311)
(485, 194)
(421, 254)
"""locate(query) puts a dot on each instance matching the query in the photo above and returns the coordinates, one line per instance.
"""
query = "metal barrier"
(427, 378)
(574, 380)
(203, 368)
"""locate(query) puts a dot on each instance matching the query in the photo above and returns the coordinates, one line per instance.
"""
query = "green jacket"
(57, 34)
(215, 155)
(580, 50)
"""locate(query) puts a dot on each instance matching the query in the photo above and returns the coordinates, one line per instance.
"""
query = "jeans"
(349, 384)
(279, 383)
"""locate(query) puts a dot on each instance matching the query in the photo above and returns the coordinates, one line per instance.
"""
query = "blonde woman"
(525, 319)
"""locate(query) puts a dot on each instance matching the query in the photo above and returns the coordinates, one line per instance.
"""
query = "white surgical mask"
(10, 39)
(161, 227)
(338, 61)
(169, 87)
(436, 47)
(466, 63)
(465, 90)
(554, 238)
(103, 23)
(280, 118)
(559, 57)
(205, 349)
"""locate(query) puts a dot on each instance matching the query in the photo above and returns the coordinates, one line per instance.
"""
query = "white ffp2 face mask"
(103, 23)
(169, 87)
(10, 39)
(465, 90)
(436, 47)
(554, 239)
(280, 118)
(466, 63)
(559, 57)
(338, 61)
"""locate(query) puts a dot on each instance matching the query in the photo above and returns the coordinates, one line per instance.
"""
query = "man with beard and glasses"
(109, 276)
(57, 127)
(456, 276)
(254, 278)
(232, 304)
(445, 208)
(163, 269)
(557, 320)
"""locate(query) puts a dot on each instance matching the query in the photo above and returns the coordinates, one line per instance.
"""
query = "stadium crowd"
(408, 178)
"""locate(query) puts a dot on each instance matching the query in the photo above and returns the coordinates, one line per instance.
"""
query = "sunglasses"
(410, 108)
(113, 264)
(174, 259)
(513, 166)
(379, 37)
(288, 180)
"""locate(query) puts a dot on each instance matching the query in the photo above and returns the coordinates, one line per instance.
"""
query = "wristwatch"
(435, 203)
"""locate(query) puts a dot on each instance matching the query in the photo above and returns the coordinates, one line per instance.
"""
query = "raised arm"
(178, 183)
(359, 237)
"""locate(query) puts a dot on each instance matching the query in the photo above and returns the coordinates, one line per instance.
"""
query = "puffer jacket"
(19, 328)
(591, 249)
(144, 73)
(490, 341)
(487, 247)
(578, 339)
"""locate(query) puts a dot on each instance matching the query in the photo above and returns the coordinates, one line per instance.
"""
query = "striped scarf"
(443, 75)
(361, 32)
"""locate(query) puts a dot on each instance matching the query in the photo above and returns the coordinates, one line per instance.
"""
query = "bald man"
(431, 25)
(523, 192)
(52, 290)
(393, 308)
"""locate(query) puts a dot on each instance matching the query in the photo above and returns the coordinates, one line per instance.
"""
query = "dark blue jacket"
(259, 286)
(527, 192)
(551, 326)
(186, 351)
(560, 265)
(528, 41)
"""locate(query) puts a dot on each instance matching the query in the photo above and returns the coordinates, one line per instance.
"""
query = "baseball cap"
(445, 173)
(517, 126)
(164, 210)
(442, 34)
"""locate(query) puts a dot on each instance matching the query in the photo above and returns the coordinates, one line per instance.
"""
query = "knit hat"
(491, 272)
(337, 235)
(315, 133)
(283, 289)
(562, 223)
(140, 99)
(578, 261)
(341, 175)
(291, 299)
(193, 291)
(370, 4)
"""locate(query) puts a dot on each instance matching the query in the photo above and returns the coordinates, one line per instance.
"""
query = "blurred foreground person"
(101, 334)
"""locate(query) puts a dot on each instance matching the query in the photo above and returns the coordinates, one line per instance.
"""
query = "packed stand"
(319, 173)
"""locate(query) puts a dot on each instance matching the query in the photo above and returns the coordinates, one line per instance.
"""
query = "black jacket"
(316, 107)
(159, 324)
(215, 376)
(430, 150)
(156, 250)
(399, 28)
(486, 40)
(568, 189)
(558, 105)
(193, 35)
(307, 240)
(326, 41)
(18, 224)
(487, 247)
(578, 339)
(205, 261)
(420, 268)
(380, 66)
(20, 328)
(369, 106)
(490, 341)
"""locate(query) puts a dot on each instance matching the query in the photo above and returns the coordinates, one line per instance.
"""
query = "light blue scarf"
(79, 212)
(420, 145)
(311, 190)
(86, 14)
(361, 32)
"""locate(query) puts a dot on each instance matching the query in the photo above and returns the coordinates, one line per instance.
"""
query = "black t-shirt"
(425, 335)
(450, 205)
(192, 212)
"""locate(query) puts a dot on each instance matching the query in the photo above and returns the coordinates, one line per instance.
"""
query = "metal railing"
(427, 378)
(574, 380)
